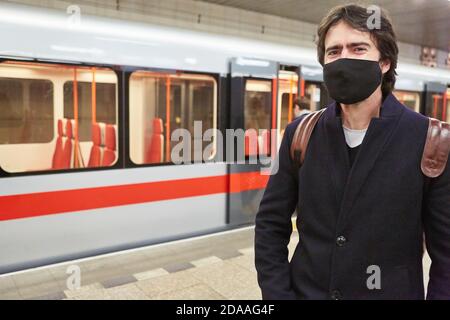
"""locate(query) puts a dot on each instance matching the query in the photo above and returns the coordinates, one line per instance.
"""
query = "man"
(363, 203)
(301, 106)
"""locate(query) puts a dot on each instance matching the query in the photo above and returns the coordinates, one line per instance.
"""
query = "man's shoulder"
(414, 122)
(415, 116)
(291, 126)
(409, 118)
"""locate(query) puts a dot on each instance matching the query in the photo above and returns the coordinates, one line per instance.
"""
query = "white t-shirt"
(354, 137)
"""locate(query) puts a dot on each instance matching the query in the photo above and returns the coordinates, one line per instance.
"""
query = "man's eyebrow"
(357, 44)
(350, 45)
(337, 46)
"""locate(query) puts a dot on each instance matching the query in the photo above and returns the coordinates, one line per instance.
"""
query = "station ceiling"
(421, 22)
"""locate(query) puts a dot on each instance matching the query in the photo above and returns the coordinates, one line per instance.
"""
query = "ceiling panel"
(422, 22)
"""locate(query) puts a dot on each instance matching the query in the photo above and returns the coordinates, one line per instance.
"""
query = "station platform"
(218, 266)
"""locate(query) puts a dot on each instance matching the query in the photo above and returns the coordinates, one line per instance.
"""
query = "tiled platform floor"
(219, 266)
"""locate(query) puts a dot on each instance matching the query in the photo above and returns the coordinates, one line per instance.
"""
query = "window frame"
(215, 77)
(272, 121)
(119, 73)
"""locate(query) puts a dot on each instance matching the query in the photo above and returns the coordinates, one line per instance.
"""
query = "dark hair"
(384, 37)
(303, 103)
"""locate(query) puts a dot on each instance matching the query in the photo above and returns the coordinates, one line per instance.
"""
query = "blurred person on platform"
(301, 106)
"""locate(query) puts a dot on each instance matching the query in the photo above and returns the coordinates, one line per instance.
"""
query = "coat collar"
(349, 181)
(390, 107)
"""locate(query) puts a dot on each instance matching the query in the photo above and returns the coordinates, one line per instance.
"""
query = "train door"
(253, 113)
(307, 90)
(312, 88)
(288, 91)
(436, 102)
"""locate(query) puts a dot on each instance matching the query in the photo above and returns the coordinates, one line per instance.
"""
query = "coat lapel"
(348, 182)
(339, 163)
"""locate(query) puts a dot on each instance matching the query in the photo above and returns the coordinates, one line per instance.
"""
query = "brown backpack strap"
(301, 136)
(437, 148)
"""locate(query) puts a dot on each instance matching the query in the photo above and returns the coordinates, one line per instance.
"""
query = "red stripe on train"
(54, 202)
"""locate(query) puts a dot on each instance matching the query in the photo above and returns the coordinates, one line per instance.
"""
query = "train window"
(438, 105)
(409, 99)
(37, 125)
(26, 111)
(105, 105)
(162, 103)
(258, 104)
(257, 116)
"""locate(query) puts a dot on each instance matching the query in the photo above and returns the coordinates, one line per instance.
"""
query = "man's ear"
(385, 65)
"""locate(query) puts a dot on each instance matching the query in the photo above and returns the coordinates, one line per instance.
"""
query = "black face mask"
(351, 80)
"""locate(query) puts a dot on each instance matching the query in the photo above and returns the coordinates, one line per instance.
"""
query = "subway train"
(87, 112)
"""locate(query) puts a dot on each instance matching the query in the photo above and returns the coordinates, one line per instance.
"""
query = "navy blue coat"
(372, 214)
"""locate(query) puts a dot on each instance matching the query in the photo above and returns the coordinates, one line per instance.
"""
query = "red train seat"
(155, 149)
(95, 156)
(109, 153)
(69, 148)
(62, 157)
(59, 146)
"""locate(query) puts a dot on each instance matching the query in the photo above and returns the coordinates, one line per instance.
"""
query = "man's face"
(343, 41)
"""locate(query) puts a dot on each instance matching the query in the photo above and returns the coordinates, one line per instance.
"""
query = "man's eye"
(330, 53)
(360, 49)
